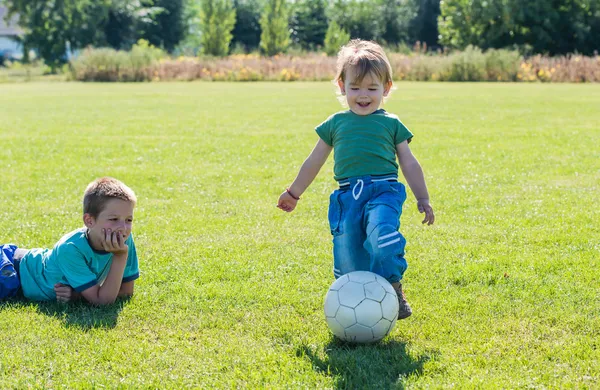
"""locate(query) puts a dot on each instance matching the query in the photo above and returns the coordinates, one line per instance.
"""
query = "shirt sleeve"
(324, 131)
(75, 268)
(401, 133)
(132, 271)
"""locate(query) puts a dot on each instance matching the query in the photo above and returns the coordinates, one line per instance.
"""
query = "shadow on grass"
(367, 366)
(77, 314)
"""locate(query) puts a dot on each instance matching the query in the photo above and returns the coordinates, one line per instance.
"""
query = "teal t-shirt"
(72, 261)
(363, 144)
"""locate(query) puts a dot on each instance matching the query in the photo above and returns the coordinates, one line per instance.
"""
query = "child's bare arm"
(106, 294)
(309, 170)
(65, 293)
(126, 289)
(413, 173)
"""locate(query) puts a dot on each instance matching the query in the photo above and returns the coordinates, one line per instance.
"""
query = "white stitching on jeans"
(388, 236)
(388, 243)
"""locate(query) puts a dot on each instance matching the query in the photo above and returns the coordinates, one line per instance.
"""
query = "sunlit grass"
(504, 286)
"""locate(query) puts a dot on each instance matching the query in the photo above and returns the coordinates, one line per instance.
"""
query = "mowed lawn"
(504, 287)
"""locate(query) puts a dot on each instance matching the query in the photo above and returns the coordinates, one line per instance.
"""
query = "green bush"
(146, 63)
(17, 71)
(468, 65)
(105, 64)
(502, 65)
(102, 64)
(427, 68)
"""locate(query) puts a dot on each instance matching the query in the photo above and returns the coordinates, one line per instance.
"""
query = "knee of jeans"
(342, 266)
(386, 240)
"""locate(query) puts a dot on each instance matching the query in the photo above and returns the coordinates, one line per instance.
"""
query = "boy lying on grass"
(97, 262)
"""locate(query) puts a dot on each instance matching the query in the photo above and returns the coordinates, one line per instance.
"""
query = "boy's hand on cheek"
(114, 242)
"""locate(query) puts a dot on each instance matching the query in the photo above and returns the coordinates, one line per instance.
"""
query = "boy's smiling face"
(366, 96)
(117, 216)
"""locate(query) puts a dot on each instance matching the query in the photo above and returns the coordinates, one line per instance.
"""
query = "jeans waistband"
(347, 182)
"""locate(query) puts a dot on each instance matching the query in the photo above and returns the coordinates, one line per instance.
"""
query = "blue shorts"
(9, 276)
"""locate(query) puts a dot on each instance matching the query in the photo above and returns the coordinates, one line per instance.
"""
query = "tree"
(217, 19)
(54, 28)
(335, 38)
(397, 17)
(360, 18)
(542, 26)
(594, 22)
(275, 36)
(308, 23)
(168, 26)
(463, 22)
(126, 22)
(554, 27)
(424, 26)
(246, 32)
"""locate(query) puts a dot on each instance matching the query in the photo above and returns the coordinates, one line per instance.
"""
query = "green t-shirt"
(363, 144)
(72, 261)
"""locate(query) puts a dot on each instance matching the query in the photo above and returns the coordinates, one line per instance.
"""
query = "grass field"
(504, 287)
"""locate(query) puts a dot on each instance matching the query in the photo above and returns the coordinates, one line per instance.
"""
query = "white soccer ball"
(361, 307)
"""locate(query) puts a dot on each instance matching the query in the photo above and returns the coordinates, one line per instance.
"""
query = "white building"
(9, 47)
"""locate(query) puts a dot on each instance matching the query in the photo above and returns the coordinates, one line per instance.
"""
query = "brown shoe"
(404, 310)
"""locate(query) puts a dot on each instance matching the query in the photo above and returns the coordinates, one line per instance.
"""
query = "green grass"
(504, 286)
(18, 73)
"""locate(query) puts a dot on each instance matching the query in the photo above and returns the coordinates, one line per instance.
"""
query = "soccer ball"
(361, 307)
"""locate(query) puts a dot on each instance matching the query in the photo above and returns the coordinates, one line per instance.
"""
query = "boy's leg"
(384, 242)
(404, 309)
(345, 220)
(9, 277)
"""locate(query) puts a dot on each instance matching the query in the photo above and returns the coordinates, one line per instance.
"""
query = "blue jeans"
(364, 218)
(9, 278)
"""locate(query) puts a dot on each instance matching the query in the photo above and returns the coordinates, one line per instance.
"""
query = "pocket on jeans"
(400, 190)
(391, 195)
(335, 213)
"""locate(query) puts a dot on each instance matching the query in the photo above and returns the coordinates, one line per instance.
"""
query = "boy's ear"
(342, 87)
(387, 88)
(88, 220)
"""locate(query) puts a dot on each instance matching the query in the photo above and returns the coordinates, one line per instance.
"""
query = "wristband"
(292, 195)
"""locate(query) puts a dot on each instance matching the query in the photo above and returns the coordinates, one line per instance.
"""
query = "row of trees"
(274, 25)
(56, 27)
(538, 26)
(218, 26)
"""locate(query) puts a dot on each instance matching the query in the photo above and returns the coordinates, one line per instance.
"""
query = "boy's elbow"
(409, 164)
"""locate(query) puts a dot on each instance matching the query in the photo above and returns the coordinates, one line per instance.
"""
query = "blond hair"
(101, 190)
(364, 57)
